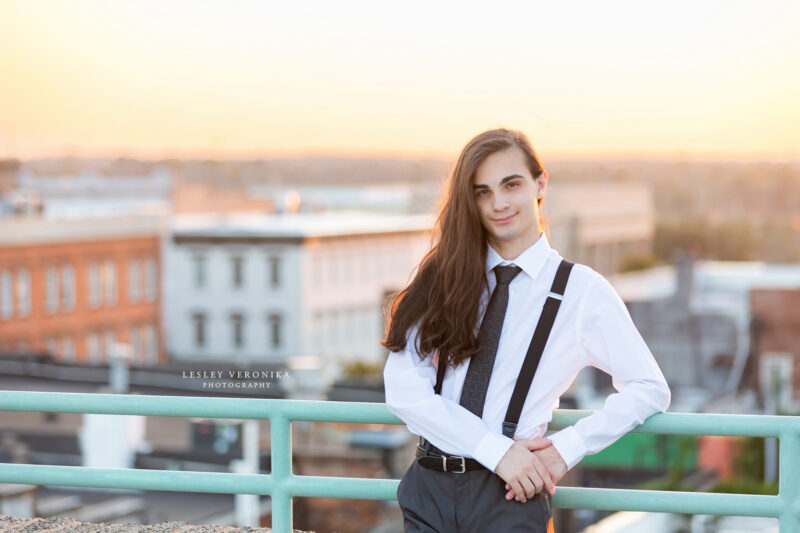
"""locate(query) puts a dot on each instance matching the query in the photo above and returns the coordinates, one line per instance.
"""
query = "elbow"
(666, 397)
(660, 395)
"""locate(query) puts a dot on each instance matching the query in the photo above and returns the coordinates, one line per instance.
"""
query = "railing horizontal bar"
(371, 413)
(383, 489)
(697, 424)
(126, 478)
(668, 502)
(284, 484)
(196, 407)
(342, 487)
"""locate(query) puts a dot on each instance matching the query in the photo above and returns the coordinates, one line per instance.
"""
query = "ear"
(541, 184)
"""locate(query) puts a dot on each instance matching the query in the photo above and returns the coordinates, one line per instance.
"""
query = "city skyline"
(182, 79)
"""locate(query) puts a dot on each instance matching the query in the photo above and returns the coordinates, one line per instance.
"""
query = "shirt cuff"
(491, 449)
(569, 445)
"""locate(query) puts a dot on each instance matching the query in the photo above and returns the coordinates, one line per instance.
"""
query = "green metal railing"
(282, 485)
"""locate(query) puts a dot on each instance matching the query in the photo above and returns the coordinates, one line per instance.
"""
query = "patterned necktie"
(473, 394)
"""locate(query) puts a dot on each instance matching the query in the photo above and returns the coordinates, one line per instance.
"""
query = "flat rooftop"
(298, 225)
(23, 231)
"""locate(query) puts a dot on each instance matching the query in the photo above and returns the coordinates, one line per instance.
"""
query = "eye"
(481, 193)
(513, 184)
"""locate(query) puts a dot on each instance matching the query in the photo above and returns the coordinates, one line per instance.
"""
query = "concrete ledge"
(68, 525)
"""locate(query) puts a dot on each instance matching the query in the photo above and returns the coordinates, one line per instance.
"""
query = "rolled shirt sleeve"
(610, 342)
(409, 382)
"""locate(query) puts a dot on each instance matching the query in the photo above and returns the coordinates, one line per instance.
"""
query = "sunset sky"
(166, 78)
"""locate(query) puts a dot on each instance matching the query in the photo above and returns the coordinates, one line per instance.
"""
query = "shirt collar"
(531, 261)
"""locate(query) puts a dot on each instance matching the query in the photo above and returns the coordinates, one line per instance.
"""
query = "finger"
(511, 495)
(537, 483)
(529, 482)
(544, 474)
(527, 489)
(517, 488)
(509, 492)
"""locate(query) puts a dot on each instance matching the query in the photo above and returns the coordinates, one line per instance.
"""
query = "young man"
(485, 339)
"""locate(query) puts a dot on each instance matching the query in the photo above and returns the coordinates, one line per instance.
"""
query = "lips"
(503, 220)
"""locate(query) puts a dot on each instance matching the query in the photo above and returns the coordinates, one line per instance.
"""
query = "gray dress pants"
(445, 502)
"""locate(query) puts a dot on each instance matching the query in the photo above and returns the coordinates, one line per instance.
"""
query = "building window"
(275, 325)
(199, 320)
(94, 285)
(109, 339)
(150, 344)
(68, 287)
(237, 329)
(93, 349)
(110, 283)
(134, 281)
(317, 332)
(275, 271)
(23, 292)
(68, 350)
(333, 268)
(199, 271)
(236, 271)
(135, 339)
(151, 280)
(333, 329)
(51, 289)
(6, 295)
(52, 347)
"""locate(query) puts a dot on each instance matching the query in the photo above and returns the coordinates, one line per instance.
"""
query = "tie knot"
(505, 274)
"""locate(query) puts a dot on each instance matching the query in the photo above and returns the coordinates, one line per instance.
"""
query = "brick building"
(75, 287)
(775, 348)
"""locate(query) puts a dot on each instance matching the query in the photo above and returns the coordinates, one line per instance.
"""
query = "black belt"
(436, 459)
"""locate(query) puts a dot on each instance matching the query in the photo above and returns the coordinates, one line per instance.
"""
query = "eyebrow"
(502, 181)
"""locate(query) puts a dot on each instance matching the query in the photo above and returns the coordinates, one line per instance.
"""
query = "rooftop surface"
(68, 525)
(709, 276)
(298, 225)
(24, 231)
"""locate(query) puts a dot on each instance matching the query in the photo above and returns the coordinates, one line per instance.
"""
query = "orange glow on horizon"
(213, 80)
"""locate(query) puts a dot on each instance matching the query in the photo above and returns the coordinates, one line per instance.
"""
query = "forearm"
(621, 412)
(445, 423)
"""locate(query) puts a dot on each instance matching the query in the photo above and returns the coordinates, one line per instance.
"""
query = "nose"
(500, 202)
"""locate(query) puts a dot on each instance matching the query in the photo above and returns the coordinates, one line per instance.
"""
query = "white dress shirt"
(592, 327)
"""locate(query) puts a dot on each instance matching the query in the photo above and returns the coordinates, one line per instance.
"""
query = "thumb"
(537, 444)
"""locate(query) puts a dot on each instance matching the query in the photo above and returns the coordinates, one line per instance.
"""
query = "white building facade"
(264, 288)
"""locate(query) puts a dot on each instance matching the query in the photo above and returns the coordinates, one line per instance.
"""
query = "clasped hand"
(530, 466)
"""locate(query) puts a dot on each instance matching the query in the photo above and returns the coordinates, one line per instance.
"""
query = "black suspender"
(536, 347)
(535, 350)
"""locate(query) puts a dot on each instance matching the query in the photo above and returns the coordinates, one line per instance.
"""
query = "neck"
(512, 250)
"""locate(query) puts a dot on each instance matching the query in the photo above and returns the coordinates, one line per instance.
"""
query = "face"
(506, 196)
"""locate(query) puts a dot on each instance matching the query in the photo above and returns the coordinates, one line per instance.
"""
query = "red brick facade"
(776, 328)
(77, 325)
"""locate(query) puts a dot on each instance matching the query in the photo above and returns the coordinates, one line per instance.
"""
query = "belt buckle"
(463, 464)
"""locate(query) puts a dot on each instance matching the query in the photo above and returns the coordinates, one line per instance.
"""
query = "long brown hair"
(443, 299)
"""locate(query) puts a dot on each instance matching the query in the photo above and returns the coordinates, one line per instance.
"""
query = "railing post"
(789, 481)
(281, 452)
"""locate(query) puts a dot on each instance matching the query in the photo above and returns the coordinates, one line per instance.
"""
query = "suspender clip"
(509, 428)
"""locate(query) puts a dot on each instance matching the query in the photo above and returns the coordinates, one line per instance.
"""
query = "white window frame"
(134, 281)
(51, 289)
(6, 294)
(23, 291)
(94, 284)
(109, 283)
(67, 287)
(151, 279)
